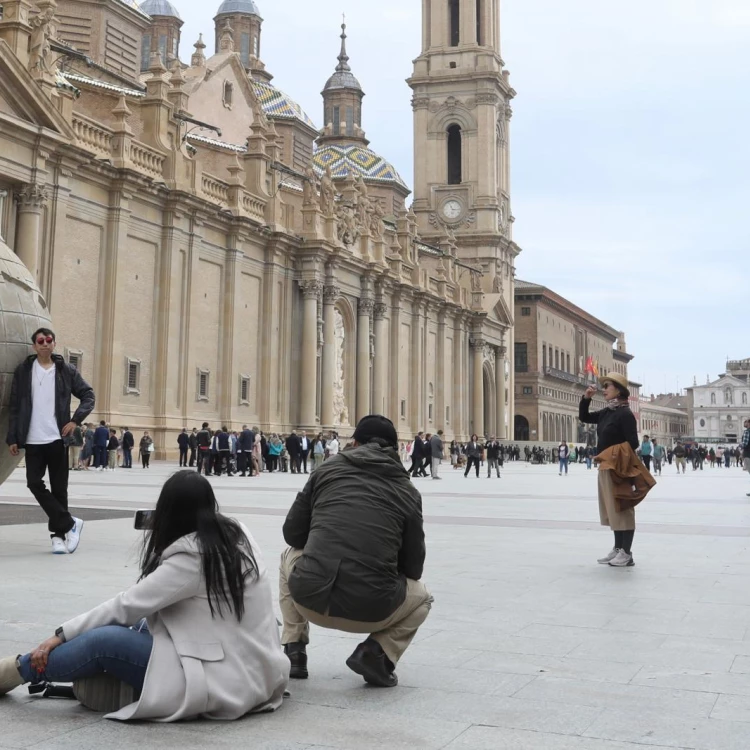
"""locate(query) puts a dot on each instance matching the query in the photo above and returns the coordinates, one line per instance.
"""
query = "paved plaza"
(530, 643)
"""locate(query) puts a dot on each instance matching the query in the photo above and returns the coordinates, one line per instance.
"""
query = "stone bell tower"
(462, 114)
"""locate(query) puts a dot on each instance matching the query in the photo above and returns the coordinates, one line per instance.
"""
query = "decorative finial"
(198, 59)
(343, 57)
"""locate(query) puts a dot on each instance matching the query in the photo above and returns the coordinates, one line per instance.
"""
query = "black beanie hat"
(376, 426)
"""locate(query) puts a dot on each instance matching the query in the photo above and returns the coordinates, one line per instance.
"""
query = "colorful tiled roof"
(344, 160)
(279, 105)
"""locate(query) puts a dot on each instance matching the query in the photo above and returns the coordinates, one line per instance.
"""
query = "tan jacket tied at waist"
(631, 480)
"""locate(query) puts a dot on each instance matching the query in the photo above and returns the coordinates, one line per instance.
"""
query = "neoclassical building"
(208, 253)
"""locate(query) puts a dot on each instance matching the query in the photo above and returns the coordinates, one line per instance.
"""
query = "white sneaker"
(58, 546)
(611, 555)
(622, 560)
(73, 537)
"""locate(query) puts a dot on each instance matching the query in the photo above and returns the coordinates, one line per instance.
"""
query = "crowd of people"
(102, 449)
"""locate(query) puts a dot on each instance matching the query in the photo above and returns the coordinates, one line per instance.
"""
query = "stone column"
(31, 200)
(366, 305)
(311, 291)
(500, 390)
(381, 358)
(477, 396)
(330, 295)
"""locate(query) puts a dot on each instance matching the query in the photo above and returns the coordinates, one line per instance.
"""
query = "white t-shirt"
(333, 447)
(43, 427)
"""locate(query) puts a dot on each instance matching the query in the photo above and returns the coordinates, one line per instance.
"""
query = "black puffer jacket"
(359, 521)
(68, 381)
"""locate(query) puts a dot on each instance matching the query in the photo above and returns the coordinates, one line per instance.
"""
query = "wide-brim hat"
(615, 377)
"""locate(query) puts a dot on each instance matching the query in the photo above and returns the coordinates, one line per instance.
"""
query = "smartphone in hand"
(143, 519)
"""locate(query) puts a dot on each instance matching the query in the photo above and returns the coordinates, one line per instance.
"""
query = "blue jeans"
(563, 465)
(589, 461)
(117, 650)
(127, 457)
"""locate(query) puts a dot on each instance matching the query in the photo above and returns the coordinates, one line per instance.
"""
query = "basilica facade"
(208, 253)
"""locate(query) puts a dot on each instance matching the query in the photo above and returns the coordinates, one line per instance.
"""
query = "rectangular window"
(521, 357)
(429, 412)
(557, 359)
(244, 389)
(163, 48)
(544, 356)
(203, 385)
(132, 376)
(336, 121)
(403, 409)
(567, 359)
(528, 390)
(454, 11)
(349, 121)
(145, 53)
(245, 49)
(525, 312)
(447, 414)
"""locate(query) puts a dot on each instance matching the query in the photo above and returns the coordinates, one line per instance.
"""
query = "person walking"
(39, 422)
(615, 424)
(493, 449)
(193, 445)
(112, 447)
(646, 450)
(74, 450)
(417, 456)
(128, 443)
(145, 447)
(101, 439)
(563, 453)
(473, 452)
(590, 453)
(183, 443)
(679, 453)
(658, 454)
(436, 454)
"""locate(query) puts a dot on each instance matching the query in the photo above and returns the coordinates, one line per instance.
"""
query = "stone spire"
(198, 60)
(342, 102)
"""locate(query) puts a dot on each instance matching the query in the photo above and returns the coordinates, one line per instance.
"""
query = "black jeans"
(204, 461)
(472, 460)
(100, 456)
(145, 458)
(52, 458)
(183, 456)
(192, 457)
(303, 460)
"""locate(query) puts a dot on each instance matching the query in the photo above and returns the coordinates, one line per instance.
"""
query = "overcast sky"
(630, 150)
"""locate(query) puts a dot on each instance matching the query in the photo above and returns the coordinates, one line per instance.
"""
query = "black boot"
(370, 661)
(298, 657)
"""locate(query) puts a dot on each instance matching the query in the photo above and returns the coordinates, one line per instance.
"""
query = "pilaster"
(312, 289)
(31, 200)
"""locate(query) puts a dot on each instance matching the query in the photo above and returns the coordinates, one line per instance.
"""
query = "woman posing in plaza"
(145, 449)
(473, 452)
(563, 454)
(210, 645)
(615, 424)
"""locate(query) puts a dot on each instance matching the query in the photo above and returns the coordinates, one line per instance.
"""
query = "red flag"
(589, 366)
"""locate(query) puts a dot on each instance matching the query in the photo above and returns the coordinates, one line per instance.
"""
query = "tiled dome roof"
(277, 104)
(345, 160)
(159, 8)
(238, 6)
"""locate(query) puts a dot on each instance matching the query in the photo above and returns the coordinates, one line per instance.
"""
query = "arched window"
(713, 399)
(454, 155)
(228, 93)
(454, 11)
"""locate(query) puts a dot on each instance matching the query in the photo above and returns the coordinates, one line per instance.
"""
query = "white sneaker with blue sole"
(73, 537)
(58, 546)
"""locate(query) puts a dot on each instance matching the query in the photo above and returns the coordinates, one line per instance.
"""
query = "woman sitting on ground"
(211, 647)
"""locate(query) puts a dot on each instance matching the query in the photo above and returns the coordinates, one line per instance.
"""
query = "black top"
(613, 426)
(359, 521)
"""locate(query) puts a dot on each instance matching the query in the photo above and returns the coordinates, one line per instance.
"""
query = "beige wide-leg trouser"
(394, 634)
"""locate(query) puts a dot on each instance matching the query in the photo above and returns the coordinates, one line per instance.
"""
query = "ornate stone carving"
(476, 279)
(377, 214)
(420, 102)
(362, 203)
(198, 59)
(366, 306)
(31, 196)
(477, 342)
(487, 97)
(309, 187)
(39, 44)
(340, 410)
(497, 284)
(330, 294)
(380, 310)
(327, 193)
(311, 288)
(500, 351)
(348, 230)
(226, 41)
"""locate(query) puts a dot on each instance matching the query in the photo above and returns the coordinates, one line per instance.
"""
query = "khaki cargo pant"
(394, 634)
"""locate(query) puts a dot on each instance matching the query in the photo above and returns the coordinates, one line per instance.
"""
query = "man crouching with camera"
(356, 555)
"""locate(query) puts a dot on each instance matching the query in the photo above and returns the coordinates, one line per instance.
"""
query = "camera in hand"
(143, 519)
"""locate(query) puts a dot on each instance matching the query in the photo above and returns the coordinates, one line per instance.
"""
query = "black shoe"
(298, 657)
(370, 661)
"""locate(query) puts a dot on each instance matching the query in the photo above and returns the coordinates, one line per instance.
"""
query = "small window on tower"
(245, 49)
(349, 121)
(145, 53)
(336, 121)
(454, 10)
(454, 155)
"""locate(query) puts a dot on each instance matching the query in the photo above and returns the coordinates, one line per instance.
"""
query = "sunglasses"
(44, 340)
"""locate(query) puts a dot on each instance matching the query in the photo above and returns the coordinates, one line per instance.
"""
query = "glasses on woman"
(44, 340)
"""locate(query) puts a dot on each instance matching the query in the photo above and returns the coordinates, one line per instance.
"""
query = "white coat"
(216, 668)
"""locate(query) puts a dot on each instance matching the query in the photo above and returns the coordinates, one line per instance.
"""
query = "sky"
(630, 151)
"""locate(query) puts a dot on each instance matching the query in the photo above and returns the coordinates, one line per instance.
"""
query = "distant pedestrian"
(183, 443)
(101, 439)
(128, 443)
(679, 453)
(746, 448)
(658, 456)
(112, 447)
(436, 454)
(203, 438)
(646, 451)
(563, 453)
(494, 457)
(473, 450)
(146, 446)
(193, 444)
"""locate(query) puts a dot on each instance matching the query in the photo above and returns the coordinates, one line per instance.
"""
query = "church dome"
(342, 79)
(159, 8)
(248, 7)
(277, 104)
(353, 159)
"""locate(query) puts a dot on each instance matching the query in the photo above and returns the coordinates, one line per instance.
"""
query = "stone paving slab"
(530, 645)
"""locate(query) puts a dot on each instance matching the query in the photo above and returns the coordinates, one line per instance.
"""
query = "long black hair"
(187, 505)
